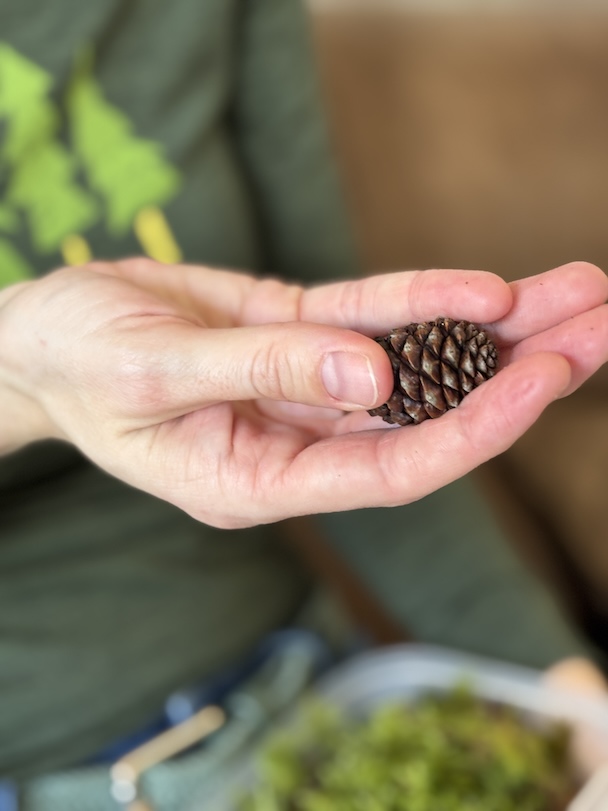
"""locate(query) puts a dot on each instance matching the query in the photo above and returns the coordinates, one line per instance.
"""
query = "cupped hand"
(243, 401)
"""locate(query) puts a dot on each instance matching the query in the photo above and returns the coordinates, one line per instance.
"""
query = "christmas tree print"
(37, 169)
(129, 173)
(29, 116)
(44, 189)
(127, 178)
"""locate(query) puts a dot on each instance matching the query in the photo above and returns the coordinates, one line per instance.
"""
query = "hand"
(223, 394)
(583, 679)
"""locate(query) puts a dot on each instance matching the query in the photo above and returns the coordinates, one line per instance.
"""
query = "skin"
(206, 387)
(579, 680)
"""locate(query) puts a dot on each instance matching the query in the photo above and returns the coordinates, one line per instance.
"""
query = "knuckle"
(353, 300)
(271, 300)
(481, 437)
(417, 293)
(396, 475)
(275, 372)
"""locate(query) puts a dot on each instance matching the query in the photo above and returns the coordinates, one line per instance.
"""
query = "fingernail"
(348, 377)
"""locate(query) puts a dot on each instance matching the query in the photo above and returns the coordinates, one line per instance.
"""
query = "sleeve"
(281, 134)
(444, 569)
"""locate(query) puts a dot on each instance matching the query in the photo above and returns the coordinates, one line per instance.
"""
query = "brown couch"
(480, 140)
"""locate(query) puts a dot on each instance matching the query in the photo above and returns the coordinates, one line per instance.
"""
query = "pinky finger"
(582, 340)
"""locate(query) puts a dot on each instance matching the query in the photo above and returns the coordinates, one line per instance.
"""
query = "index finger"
(376, 304)
(371, 305)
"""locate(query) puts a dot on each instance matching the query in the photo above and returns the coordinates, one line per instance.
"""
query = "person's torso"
(116, 139)
(115, 134)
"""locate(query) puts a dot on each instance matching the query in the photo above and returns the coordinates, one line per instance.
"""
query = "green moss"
(444, 753)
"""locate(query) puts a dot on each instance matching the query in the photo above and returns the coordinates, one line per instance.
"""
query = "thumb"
(297, 362)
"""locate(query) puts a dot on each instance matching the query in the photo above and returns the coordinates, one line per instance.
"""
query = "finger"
(540, 302)
(392, 467)
(184, 367)
(370, 305)
(582, 340)
(376, 304)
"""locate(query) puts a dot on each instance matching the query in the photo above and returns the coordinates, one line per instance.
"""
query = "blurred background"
(475, 135)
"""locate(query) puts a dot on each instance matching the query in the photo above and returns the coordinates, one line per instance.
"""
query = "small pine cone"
(435, 365)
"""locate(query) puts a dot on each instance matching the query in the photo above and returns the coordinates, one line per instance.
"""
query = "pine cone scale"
(429, 365)
(449, 377)
(452, 397)
(412, 351)
(435, 339)
(410, 382)
(432, 396)
(482, 366)
(450, 352)
(467, 384)
(466, 364)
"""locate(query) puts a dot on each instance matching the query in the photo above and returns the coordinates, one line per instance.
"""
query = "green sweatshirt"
(188, 129)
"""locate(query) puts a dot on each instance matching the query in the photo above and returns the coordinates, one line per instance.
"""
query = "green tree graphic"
(55, 206)
(129, 173)
(40, 171)
(30, 117)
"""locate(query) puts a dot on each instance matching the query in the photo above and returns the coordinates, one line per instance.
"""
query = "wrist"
(23, 421)
(22, 417)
